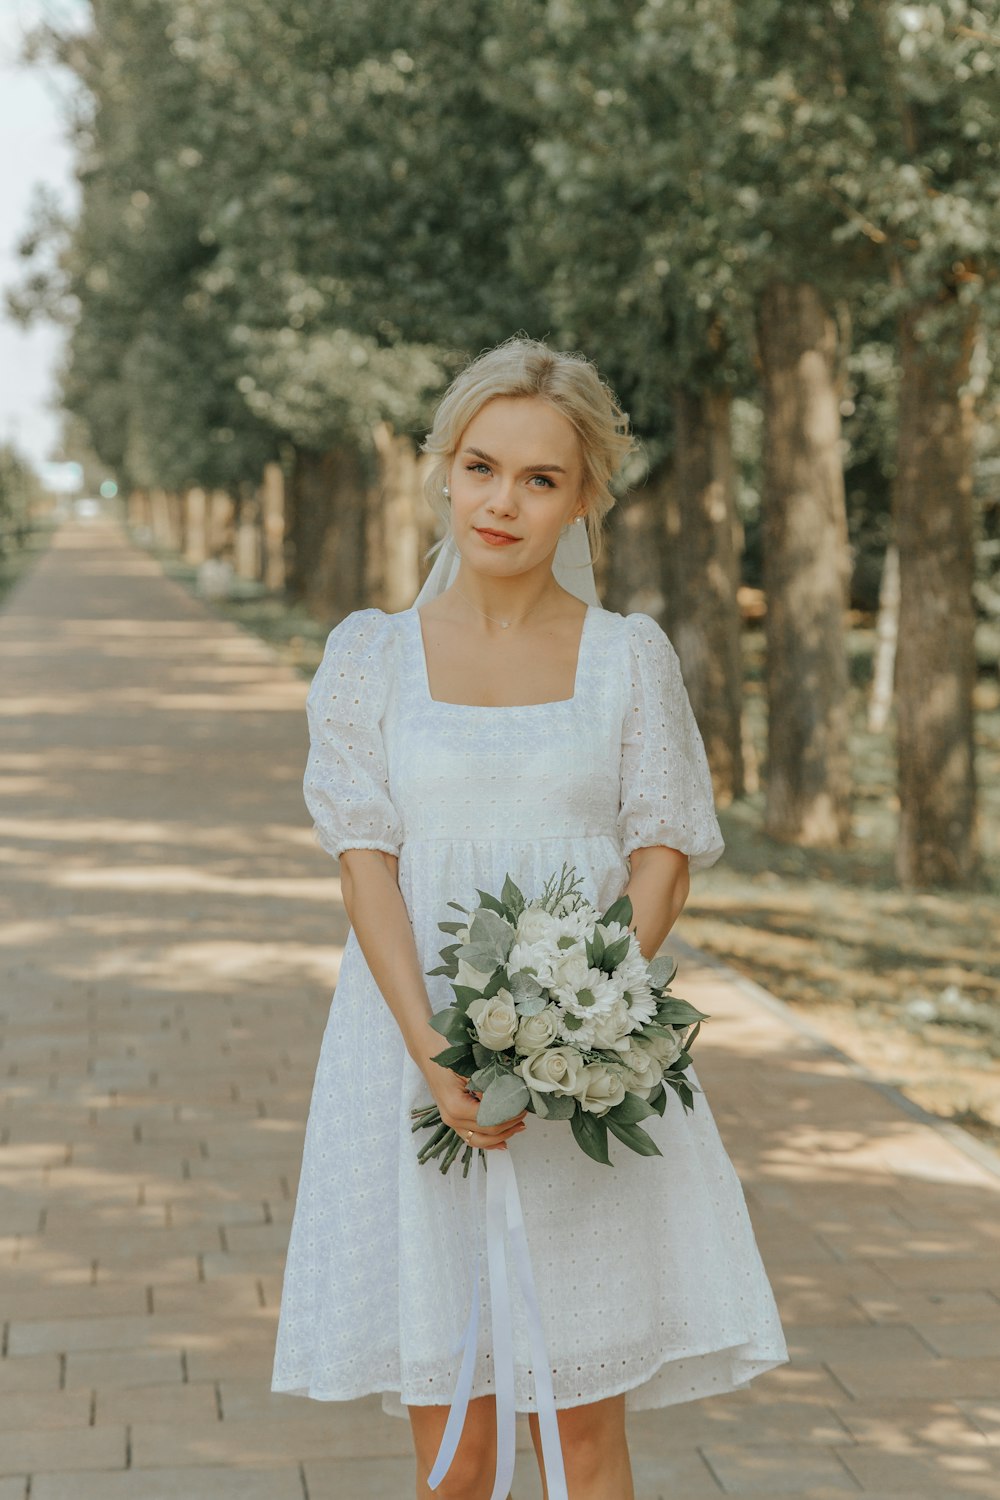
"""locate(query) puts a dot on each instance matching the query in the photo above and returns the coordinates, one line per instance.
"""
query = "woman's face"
(517, 473)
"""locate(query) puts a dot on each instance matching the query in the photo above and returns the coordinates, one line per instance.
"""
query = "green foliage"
(298, 220)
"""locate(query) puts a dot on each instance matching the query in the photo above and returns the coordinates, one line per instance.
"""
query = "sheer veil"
(572, 567)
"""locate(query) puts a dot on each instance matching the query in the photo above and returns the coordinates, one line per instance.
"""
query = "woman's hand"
(458, 1106)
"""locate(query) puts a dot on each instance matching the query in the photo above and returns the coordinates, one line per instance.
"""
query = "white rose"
(570, 971)
(666, 1050)
(536, 925)
(611, 1029)
(495, 1020)
(538, 1031)
(644, 1070)
(552, 1071)
(598, 1089)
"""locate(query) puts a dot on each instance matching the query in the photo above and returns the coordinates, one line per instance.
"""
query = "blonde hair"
(526, 367)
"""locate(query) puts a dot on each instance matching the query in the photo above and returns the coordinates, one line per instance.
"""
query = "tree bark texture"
(328, 515)
(633, 544)
(935, 660)
(701, 578)
(806, 571)
(398, 501)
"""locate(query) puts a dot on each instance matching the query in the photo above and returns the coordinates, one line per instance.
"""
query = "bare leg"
(470, 1476)
(595, 1451)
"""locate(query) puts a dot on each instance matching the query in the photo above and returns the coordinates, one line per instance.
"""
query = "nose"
(503, 498)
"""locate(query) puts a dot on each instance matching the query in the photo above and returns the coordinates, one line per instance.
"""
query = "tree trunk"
(196, 546)
(272, 499)
(935, 663)
(806, 571)
(397, 507)
(634, 543)
(701, 575)
(886, 636)
(221, 524)
(328, 531)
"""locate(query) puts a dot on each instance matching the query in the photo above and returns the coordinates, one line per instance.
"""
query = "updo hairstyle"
(526, 367)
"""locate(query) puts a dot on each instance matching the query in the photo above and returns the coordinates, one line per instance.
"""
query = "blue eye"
(545, 480)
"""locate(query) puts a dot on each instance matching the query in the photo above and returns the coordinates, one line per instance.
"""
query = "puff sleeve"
(346, 786)
(666, 785)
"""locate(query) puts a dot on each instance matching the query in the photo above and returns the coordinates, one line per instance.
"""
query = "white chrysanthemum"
(610, 1030)
(594, 997)
(579, 923)
(537, 958)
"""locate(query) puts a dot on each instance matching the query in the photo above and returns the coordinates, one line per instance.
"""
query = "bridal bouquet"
(557, 1011)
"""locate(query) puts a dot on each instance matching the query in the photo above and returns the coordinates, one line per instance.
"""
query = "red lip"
(488, 531)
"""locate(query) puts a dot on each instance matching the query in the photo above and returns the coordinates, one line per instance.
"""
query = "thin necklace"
(502, 623)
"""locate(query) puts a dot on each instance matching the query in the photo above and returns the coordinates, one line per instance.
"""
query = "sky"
(32, 151)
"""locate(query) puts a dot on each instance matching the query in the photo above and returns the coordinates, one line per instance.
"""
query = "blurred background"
(245, 246)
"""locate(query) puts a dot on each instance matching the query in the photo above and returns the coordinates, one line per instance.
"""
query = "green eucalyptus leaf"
(539, 1104)
(506, 1096)
(561, 1106)
(662, 971)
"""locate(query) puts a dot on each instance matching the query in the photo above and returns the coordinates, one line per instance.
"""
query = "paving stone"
(123, 1367)
(974, 1472)
(174, 1484)
(22, 1410)
(776, 1469)
(964, 1340)
(935, 1377)
(177, 1403)
(933, 1307)
(984, 1413)
(897, 1425)
(30, 1372)
(265, 1441)
(162, 1084)
(48, 1450)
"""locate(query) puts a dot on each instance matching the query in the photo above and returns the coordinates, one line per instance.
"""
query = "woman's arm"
(658, 887)
(374, 903)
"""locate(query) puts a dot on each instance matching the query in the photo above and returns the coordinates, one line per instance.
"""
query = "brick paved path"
(170, 938)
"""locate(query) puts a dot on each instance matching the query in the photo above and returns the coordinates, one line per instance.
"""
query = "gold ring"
(468, 1135)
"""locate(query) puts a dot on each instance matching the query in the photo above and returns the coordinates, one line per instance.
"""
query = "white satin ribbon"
(503, 1211)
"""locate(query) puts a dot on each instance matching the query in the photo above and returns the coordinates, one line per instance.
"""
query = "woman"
(506, 723)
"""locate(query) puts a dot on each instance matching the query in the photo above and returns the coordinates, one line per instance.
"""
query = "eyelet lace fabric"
(648, 1272)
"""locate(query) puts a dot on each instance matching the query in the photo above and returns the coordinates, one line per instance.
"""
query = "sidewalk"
(170, 938)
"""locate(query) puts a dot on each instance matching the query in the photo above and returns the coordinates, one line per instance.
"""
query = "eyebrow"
(528, 468)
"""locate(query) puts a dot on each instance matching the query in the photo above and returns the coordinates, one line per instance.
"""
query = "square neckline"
(493, 708)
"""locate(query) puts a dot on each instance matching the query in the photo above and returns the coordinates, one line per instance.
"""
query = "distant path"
(169, 937)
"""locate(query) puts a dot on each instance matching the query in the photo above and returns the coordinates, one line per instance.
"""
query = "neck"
(512, 599)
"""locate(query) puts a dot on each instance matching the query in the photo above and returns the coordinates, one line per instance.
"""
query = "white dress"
(648, 1272)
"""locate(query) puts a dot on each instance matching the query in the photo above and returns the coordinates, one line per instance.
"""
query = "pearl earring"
(446, 492)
